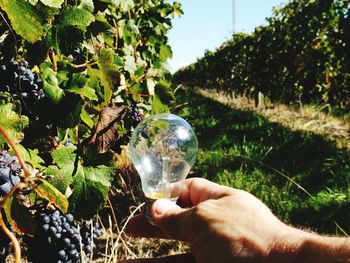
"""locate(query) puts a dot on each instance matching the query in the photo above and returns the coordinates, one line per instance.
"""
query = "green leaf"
(157, 106)
(109, 72)
(30, 156)
(130, 64)
(164, 92)
(11, 121)
(70, 109)
(25, 19)
(51, 84)
(48, 192)
(94, 82)
(90, 190)
(78, 86)
(85, 117)
(85, 92)
(177, 9)
(64, 38)
(74, 16)
(64, 156)
(53, 3)
(165, 53)
(88, 5)
(61, 178)
(126, 5)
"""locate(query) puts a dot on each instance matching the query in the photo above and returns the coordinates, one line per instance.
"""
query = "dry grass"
(305, 118)
(125, 200)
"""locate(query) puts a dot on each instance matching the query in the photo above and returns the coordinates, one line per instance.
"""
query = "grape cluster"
(136, 115)
(23, 84)
(58, 238)
(9, 172)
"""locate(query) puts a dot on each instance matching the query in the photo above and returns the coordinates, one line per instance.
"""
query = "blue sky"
(206, 24)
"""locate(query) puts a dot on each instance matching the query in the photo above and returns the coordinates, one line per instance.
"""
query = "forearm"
(300, 246)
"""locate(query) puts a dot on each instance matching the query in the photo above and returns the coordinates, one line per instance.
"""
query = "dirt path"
(305, 118)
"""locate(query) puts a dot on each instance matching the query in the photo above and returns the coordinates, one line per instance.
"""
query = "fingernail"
(161, 206)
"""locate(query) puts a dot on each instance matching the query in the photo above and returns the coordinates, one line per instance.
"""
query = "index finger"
(197, 190)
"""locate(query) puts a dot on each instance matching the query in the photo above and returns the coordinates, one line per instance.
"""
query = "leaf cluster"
(95, 59)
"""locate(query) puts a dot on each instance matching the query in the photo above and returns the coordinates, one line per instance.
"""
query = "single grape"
(9, 171)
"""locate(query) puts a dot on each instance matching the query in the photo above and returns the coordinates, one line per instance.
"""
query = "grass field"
(303, 177)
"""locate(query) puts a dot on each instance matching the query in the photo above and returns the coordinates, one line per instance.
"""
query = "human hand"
(221, 224)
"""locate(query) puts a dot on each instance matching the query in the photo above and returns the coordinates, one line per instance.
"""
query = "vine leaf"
(61, 178)
(157, 106)
(78, 85)
(19, 217)
(165, 53)
(109, 72)
(90, 189)
(51, 84)
(74, 16)
(25, 19)
(12, 122)
(47, 191)
(106, 131)
(64, 156)
(53, 3)
(30, 156)
(87, 5)
(85, 117)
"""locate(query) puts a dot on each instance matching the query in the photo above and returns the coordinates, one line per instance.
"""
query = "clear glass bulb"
(163, 148)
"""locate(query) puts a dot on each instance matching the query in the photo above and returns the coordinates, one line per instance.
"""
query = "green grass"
(282, 167)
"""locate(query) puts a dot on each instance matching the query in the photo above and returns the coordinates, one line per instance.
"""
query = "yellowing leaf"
(25, 19)
(47, 191)
(19, 217)
(12, 122)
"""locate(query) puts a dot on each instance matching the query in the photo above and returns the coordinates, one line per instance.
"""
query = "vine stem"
(85, 65)
(27, 173)
(12, 237)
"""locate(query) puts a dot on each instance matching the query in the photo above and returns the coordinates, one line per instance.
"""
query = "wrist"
(298, 246)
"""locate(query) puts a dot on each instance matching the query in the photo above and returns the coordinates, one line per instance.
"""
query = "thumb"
(172, 219)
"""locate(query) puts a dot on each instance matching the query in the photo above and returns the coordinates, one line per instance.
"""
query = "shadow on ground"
(243, 149)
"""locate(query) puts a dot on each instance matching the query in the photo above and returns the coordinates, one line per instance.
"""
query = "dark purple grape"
(9, 171)
(58, 238)
(23, 84)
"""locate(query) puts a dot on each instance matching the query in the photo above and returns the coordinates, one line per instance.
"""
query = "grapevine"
(300, 56)
(75, 78)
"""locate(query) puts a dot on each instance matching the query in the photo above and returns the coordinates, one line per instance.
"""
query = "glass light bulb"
(163, 148)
